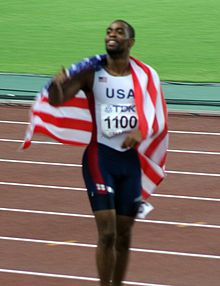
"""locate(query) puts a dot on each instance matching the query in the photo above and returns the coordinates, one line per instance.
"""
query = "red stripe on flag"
(149, 171)
(64, 122)
(143, 125)
(145, 194)
(154, 144)
(26, 144)
(150, 85)
(155, 125)
(163, 160)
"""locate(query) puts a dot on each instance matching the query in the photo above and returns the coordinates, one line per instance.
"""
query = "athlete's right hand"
(55, 89)
(61, 77)
(132, 139)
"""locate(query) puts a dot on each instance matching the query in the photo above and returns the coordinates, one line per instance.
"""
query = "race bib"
(116, 119)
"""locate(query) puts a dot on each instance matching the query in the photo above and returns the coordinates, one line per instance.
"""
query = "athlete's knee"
(107, 239)
(123, 240)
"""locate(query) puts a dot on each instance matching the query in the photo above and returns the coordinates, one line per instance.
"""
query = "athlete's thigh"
(128, 197)
(99, 182)
(128, 191)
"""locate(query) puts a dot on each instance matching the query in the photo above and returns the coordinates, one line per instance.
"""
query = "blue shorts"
(113, 179)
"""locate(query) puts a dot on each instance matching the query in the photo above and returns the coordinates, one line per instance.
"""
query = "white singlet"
(115, 112)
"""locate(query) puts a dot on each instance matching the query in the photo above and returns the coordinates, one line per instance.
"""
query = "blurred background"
(180, 38)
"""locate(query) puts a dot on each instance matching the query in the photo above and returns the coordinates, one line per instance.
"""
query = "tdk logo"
(124, 108)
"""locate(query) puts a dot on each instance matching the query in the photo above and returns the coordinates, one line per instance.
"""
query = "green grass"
(179, 38)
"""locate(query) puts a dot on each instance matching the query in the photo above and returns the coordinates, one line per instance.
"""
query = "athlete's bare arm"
(63, 87)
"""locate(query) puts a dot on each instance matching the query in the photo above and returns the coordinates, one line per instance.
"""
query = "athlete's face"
(117, 40)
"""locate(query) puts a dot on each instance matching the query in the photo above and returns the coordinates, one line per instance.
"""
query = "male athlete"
(111, 166)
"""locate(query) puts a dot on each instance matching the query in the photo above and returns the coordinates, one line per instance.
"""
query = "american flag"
(102, 79)
(71, 122)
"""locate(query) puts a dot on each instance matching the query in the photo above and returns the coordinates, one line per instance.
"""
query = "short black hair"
(131, 30)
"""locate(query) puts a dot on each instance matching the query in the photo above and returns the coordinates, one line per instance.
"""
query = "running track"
(47, 231)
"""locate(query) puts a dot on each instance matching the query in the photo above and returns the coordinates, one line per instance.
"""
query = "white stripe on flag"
(64, 133)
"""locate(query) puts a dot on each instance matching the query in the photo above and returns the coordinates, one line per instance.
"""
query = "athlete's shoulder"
(86, 64)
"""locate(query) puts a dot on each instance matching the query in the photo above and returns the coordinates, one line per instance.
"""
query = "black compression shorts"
(113, 179)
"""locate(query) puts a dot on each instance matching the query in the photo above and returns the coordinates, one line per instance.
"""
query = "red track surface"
(178, 244)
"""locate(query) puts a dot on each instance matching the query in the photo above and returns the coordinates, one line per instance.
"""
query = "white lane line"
(170, 131)
(43, 274)
(40, 163)
(79, 166)
(11, 140)
(84, 190)
(195, 132)
(57, 143)
(192, 173)
(143, 250)
(48, 213)
(186, 197)
(193, 152)
(13, 122)
(176, 223)
(42, 186)
(34, 142)
(169, 150)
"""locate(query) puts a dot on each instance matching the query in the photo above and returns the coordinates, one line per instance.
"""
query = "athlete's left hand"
(132, 139)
